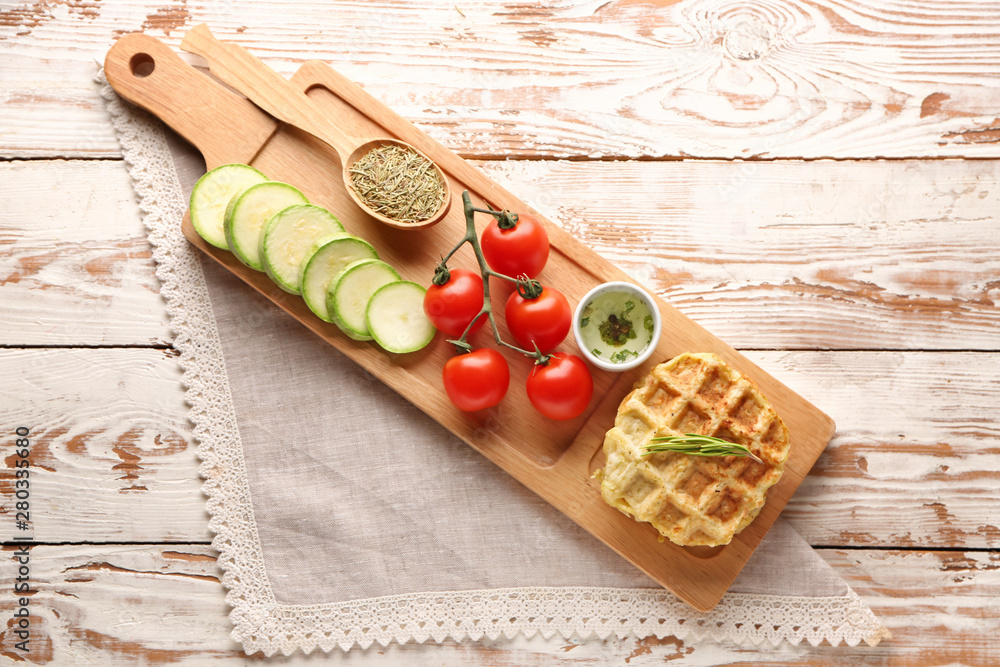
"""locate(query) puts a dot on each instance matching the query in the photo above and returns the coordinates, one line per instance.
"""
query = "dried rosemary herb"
(399, 183)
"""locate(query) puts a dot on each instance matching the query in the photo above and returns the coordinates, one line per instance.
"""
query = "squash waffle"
(693, 500)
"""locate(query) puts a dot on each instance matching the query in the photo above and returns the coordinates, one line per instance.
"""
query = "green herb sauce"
(616, 326)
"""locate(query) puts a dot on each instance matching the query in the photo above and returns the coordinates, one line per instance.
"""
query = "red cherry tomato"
(543, 321)
(477, 380)
(561, 389)
(520, 250)
(450, 307)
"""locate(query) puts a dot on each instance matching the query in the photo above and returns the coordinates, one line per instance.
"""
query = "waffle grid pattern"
(693, 500)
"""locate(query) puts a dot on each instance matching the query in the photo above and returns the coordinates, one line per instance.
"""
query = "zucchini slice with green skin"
(211, 196)
(348, 294)
(329, 258)
(247, 214)
(396, 319)
(289, 237)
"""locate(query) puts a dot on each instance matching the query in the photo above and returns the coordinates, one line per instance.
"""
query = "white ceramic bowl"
(632, 290)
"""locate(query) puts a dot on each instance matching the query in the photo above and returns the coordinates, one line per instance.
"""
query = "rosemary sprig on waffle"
(697, 445)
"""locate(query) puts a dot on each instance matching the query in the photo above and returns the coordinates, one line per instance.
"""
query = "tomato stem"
(505, 219)
(525, 286)
(541, 359)
(441, 274)
(529, 289)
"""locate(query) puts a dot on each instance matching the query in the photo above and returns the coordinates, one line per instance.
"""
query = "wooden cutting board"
(554, 459)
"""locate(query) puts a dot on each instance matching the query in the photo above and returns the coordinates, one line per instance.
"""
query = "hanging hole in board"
(142, 65)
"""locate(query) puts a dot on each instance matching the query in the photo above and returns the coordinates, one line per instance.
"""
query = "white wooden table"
(815, 181)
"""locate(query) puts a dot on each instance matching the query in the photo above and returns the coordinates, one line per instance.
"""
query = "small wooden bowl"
(360, 151)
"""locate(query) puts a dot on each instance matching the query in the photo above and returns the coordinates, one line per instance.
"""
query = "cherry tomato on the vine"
(520, 250)
(561, 388)
(450, 307)
(476, 380)
(543, 321)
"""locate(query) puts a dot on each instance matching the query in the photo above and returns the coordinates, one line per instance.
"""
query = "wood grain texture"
(551, 458)
(135, 67)
(115, 460)
(111, 456)
(832, 255)
(906, 259)
(906, 267)
(704, 78)
(127, 605)
(75, 265)
(916, 451)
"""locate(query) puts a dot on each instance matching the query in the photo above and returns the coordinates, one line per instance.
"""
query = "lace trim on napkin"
(262, 624)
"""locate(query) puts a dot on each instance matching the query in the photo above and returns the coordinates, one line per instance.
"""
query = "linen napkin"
(343, 515)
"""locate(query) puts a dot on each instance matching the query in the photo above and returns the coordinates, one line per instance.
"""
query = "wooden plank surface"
(127, 460)
(908, 260)
(204, 113)
(112, 458)
(785, 78)
(123, 605)
(898, 286)
(78, 268)
(791, 254)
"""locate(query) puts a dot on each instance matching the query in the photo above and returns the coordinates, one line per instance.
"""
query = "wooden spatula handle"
(272, 92)
(222, 125)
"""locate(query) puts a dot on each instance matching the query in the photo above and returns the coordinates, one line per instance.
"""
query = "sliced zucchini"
(324, 263)
(289, 237)
(248, 213)
(211, 196)
(349, 291)
(396, 319)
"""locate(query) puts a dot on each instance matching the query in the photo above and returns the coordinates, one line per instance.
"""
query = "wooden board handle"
(272, 92)
(224, 126)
